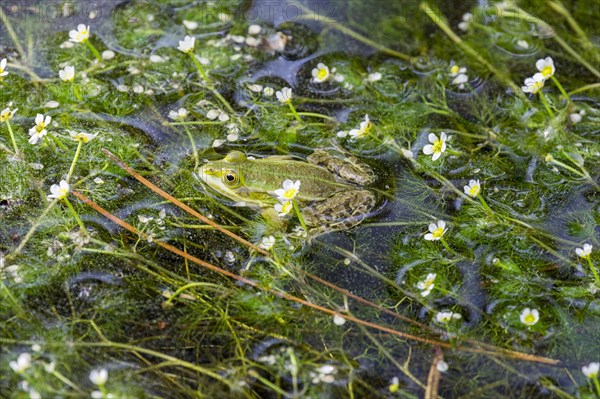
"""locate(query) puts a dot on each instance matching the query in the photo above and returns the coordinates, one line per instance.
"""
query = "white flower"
(108, 55)
(534, 84)
(97, 395)
(407, 153)
(576, 117)
(178, 115)
(99, 376)
(523, 44)
(213, 114)
(217, 143)
(364, 128)
(284, 208)
(255, 88)
(320, 73)
(395, 385)
(289, 191)
(466, 21)
(427, 285)
(22, 363)
(436, 147)
(285, 95)
(59, 191)
(456, 70)
(52, 104)
(338, 320)
(191, 25)
(187, 44)
(442, 366)
(67, 74)
(269, 91)
(460, 80)
(254, 29)
(81, 35)
(473, 189)
(584, 252)
(50, 367)
(82, 136)
(529, 316)
(267, 243)
(7, 114)
(445, 317)
(33, 394)
(374, 77)
(591, 370)
(436, 231)
(3, 67)
(39, 130)
(546, 68)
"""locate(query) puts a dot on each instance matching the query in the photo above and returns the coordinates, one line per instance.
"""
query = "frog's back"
(316, 182)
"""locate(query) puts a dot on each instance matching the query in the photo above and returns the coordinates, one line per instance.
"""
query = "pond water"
(475, 273)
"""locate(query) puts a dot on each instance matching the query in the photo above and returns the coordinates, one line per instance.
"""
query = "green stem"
(329, 118)
(441, 23)
(77, 93)
(293, 109)
(194, 150)
(597, 384)
(299, 215)
(595, 272)
(93, 50)
(199, 67)
(309, 14)
(12, 137)
(75, 158)
(194, 123)
(79, 221)
(57, 142)
(561, 88)
(485, 205)
(31, 231)
(446, 244)
(545, 102)
(591, 86)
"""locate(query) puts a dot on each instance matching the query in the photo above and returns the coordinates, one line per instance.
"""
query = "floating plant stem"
(309, 14)
(561, 89)
(12, 137)
(594, 272)
(299, 215)
(485, 206)
(546, 105)
(293, 109)
(93, 50)
(200, 68)
(75, 215)
(194, 149)
(75, 158)
(441, 23)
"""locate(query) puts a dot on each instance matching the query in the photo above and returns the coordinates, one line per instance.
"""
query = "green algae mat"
(299, 199)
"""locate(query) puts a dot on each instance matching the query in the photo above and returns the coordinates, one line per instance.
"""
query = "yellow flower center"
(529, 319)
(291, 193)
(322, 73)
(474, 191)
(455, 69)
(437, 146)
(438, 233)
(547, 71)
(40, 127)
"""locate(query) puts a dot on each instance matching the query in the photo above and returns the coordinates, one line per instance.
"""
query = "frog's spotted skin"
(331, 197)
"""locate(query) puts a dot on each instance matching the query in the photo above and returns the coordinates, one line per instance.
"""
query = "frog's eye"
(231, 178)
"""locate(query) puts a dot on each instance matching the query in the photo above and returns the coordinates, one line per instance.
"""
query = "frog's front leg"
(341, 211)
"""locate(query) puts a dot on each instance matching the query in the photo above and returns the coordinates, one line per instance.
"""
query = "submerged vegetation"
(475, 275)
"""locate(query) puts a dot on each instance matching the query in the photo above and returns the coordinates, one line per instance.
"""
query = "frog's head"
(225, 175)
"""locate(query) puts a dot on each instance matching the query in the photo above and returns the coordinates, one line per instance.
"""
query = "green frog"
(332, 195)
